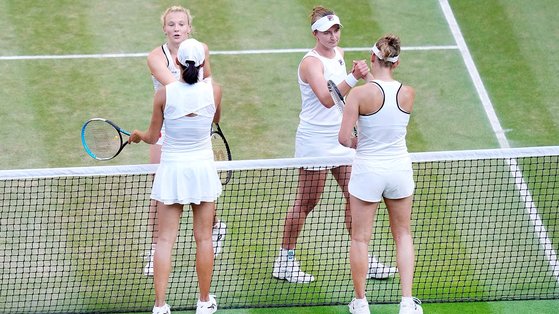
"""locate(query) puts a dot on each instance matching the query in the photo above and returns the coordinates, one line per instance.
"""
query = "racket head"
(336, 95)
(102, 139)
(221, 152)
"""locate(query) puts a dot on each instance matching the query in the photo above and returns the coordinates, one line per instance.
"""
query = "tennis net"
(485, 227)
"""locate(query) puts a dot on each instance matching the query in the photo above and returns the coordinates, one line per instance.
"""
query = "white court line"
(216, 52)
(516, 173)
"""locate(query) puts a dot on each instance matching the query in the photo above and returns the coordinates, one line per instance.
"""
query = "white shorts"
(373, 180)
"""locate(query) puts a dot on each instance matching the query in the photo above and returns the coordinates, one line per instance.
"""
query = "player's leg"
(168, 224)
(377, 270)
(310, 188)
(342, 175)
(399, 211)
(202, 221)
(154, 158)
(363, 216)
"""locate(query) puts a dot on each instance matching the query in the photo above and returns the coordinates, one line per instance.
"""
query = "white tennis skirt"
(181, 180)
(309, 143)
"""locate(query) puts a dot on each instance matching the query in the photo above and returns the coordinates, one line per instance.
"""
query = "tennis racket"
(221, 151)
(336, 96)
(102, 139)
(338, 99)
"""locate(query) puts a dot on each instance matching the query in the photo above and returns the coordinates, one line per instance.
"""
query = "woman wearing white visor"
(317, 136)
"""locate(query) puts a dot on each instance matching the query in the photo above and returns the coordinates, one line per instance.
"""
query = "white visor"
(325, 22)
(191, 50)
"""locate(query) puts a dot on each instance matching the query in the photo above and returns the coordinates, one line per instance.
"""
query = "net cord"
(280, 163)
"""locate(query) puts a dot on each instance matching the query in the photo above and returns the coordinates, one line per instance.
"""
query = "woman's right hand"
(135, 137)
(360, 69)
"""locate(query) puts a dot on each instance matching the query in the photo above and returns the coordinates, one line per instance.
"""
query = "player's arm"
(157, 64)
(350, 116)
(152, 134)
(217, 100)
(312, 72)
(216, 87)
(207, 65)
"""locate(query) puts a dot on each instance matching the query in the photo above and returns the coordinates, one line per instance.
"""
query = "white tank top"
(184, 134)
(313, 112)
(383, 133)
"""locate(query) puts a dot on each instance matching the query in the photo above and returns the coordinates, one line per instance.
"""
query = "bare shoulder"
(407, 92)
(406, 97)
(362, 92)
(155, 52)
(309, 68)
(206, 49)
(156, 55)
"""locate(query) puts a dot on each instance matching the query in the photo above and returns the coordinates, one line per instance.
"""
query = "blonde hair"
(388, 46)
(176, 8)
(318, 12)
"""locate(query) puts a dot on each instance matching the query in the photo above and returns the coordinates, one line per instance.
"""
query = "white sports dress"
(382, 165)
(317, 133)
(187, 172)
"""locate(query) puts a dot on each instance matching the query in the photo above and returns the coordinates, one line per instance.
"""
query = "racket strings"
(102, 139)
(221, 153)
(219, 148)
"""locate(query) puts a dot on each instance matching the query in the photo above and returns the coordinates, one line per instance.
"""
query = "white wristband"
(351, 80)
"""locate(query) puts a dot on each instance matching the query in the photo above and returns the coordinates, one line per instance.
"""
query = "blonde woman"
(382, 170)
(162, 62)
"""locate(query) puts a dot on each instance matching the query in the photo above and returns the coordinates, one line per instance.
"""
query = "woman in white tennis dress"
(317, 136)
(382, 170)
(186, 174)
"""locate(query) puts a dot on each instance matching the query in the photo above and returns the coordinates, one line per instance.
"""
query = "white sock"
(364, 300)
(287, 254)
(407, 300)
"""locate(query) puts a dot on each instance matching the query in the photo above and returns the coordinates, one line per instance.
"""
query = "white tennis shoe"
(378, 270)
(218, 236)
(165, 309)
(411, 307)
(289, 270)
(359, 306)
(208, 307)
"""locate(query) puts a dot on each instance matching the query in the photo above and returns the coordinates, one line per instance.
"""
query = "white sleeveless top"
(313, 112)
(186, 134)
(382, 134)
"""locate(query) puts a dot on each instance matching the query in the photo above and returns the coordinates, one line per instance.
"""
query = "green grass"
(513, 43)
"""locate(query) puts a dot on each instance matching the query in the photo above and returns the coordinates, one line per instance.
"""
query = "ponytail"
(190, 73)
